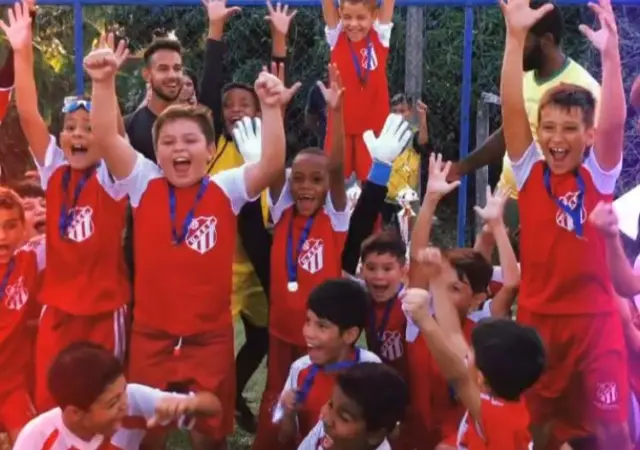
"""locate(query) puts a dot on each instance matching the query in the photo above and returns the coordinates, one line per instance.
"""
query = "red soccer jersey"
(562, 273)
(386, 329)
(16, 344)
(319, 392)
(503, 426)
(185, 288)
(363, 69)
(86, 272)
(318, 260)
(434, 402)
(5, 101)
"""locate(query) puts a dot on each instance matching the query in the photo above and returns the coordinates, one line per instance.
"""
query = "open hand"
(606, 38)
(170, 408)
(422, 110)
(393, 139)
(520, 17)
(247, 134)
(492, 213)
(218, 12)
(287, 92)
(101, 64)
(121, 52)
(279, 18)
(437, 184)
(333, 93)
(604, 218)
(18, 26)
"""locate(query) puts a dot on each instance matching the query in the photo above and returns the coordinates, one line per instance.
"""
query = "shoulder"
(39, 431)
(368, 356)
(301, 363)
(580, 76)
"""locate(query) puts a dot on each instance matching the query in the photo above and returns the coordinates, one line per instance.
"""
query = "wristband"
(380, 173)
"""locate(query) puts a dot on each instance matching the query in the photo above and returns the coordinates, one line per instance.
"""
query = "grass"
(239, 440)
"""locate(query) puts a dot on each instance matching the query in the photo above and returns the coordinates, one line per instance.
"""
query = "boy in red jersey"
(185, 225)
(353, 418)
(436, 412)
(331, 331)
(85, 287)
(34, 205)
(358, 35)
(98, 410)
(505, 359)
(20, 267)
(311, 220)
(566, 291)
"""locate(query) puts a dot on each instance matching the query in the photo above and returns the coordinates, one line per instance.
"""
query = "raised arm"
(385, 15)
(19, 33)
(634, 97)
(625, 281)
(609, 138)
(102, 66)
(270, 167)
(519, 18)
(213, 73)
(437, 188)
(489, 152)
(330, 14)
(492, 214)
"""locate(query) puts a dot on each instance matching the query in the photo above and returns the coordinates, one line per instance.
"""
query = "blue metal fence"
(467, 54)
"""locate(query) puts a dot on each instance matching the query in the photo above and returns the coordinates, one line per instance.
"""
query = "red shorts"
(586, 380)
(356, 155)
(279, 360)
(16, 410)
(203, 362)
(57, 330)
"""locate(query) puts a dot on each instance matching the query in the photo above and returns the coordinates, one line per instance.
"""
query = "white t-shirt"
(48, 431)
(315, 440)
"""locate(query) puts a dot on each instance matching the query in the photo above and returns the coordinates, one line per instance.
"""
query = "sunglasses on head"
(72, 104)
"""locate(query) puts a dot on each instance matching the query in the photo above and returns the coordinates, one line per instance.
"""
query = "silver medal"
(292, 286)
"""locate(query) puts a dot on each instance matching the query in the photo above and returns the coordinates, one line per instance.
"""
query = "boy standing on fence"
(359, 35)
(566, 291)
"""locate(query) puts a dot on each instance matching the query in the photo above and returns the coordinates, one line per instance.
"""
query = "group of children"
(446, 366)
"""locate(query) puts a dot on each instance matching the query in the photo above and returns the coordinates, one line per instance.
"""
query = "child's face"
(344, 424)
(383, 274)
(563, 137)
(404, 109)
(357, 19)
(458, 291)
(106, 414)
(34, 214)
(187, 90)
(236, 104)
(325, 343)
(76, 140)
(12, 233)
(183, 152)
(309, 182)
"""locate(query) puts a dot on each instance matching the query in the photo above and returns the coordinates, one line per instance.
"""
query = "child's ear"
(145, 74)
(351, 335)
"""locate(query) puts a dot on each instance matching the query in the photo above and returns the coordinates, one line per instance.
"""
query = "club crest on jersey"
(607, 395)
(202, 234)
(373, 62)
(16, 295)
(311, 256)
(81, 225)
(562, 218)
(391, 347)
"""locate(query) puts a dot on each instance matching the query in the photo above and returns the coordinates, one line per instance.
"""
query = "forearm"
(508, 260)
(490, 151)
(103, 108)
(610, 127)
(625, 281)
(420, 237)
(206, 404)
(423, 133)
(485, 243)
(25, 86)
(213, 79)
(270, 168)
(278, 45)
(451, 365)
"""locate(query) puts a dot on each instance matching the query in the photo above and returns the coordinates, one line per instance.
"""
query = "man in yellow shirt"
(546, 66)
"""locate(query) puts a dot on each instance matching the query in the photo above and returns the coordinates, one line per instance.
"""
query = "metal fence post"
(465, 113)
(414, 56)
(482, 175)
(78, 45)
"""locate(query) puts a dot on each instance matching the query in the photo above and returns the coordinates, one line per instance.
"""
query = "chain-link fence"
(446, 55)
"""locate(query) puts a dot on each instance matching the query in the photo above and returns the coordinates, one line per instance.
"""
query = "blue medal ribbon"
(7, 276)
(292, 258)
(377, 333)
(356, 61)
(179, 238)
(307, 384)
(573, 213)
(66, 213)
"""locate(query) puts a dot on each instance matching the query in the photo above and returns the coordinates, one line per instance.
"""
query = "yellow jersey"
(404, 172)
(533, 89)
(247, 296)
